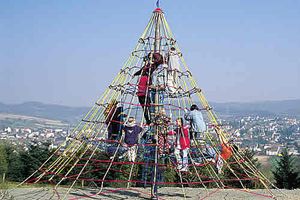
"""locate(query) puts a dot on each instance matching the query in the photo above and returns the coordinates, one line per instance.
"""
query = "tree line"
(16, 164)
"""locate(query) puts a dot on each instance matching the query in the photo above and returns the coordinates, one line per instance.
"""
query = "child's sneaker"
(184, 169)
(197, 163)
(179, 167)
(211, 160)
(220, 171)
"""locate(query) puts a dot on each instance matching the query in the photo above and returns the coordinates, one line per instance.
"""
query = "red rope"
(164, 183)
(151, 104)
(124, 163)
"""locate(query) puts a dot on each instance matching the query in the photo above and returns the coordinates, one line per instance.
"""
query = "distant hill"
(74, 114)
(49, 111)
(264, 108)
(14, 120)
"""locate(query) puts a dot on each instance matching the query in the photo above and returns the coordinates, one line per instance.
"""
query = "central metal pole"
(157, 39)
(157, 32)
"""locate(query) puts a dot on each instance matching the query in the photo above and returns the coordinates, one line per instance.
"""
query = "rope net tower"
(142, 134)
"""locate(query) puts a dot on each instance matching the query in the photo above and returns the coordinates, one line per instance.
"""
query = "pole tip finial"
(157, 7)
(157, 3)
(157, 10)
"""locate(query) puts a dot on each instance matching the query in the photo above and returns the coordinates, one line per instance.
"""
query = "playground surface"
(171, 193)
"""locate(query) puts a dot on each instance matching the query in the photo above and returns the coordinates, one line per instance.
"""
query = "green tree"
(18, 164)
(285, 173)
(15, 167)
(3, 160)
(34, 158)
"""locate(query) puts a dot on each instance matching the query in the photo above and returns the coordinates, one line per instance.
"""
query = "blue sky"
(67, 52)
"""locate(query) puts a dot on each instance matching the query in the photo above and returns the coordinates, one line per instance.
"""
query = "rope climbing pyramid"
(151, 129)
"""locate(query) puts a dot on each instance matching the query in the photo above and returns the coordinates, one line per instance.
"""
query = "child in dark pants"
(132, 132)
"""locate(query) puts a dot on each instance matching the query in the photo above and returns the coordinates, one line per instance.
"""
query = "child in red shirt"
(182, 144)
